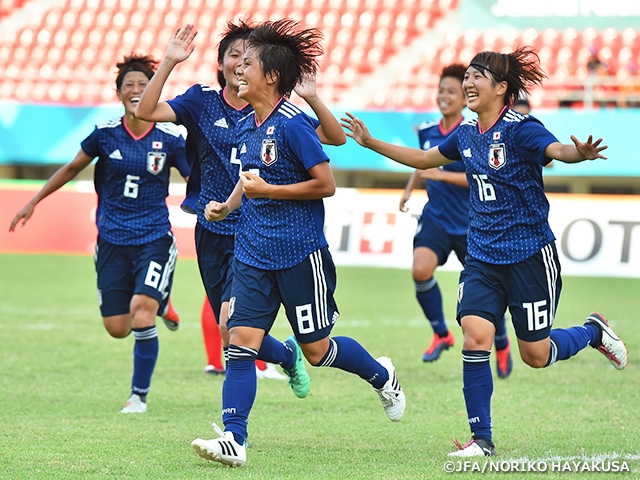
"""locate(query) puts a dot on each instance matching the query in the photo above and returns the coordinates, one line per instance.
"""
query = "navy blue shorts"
(126, 270)
(215, 261)
(305, 290)
(530, 289)
(431, 235)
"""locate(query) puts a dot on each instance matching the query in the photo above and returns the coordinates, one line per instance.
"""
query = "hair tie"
(482, 67)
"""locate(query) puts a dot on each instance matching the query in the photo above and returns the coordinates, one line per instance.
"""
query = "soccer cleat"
(170, 317)
(438, 344)
(299, 380)
(269, 372)
(211, 370)
(610, 344)
(476, 447)
(224, 449)
(504, 362)
(391, 394)
(134, 405)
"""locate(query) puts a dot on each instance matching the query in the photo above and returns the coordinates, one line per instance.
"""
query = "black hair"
(232, 33)
(520, 69)
(287, 50)
(455, 70)
(135, 63)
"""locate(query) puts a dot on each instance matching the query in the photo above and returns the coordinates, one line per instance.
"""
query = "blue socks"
(348, 355)
(501, 340)
(145, 354)
(478, 388)
(239, 391)
(565, 343)
(430, 299)
(276, 352)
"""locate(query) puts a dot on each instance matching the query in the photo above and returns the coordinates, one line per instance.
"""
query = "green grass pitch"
(63, 381)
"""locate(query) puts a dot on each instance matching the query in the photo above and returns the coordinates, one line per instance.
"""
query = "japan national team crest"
(497, 156)
(155, 162)
(269, 153)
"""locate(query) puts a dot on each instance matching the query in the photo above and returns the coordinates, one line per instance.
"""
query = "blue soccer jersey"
(278, 234)
(132, 179)
(211, 150)
(448, 204)
(508, 220)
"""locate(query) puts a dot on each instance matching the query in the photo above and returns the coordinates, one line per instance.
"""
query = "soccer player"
(210, 117)
(443, 226)
(512, 259)
(136, 251)
(281, 251)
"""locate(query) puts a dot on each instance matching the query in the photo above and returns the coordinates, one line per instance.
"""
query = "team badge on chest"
(497, 156)
(155, 162)
(269, 153)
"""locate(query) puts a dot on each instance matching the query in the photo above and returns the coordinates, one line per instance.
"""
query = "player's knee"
(534, 360)
(422, 273)
(117, 330)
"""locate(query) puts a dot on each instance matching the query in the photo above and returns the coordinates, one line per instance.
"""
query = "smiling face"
(481, 91)
(450, 98)
(231, 60)
(252, 81)
(133, 84)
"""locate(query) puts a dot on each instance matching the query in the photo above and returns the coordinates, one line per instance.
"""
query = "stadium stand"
(65, 50)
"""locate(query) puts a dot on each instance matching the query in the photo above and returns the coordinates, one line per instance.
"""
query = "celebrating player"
(512, 259)
(135, 252)
(443, 226)
(281, 251)
(211, 117)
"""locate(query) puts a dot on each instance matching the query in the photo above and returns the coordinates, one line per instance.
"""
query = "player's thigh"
(534, 291)
(153, 269)
(430, 240)
(255, 299)
(307, 291)
(215, 262)
(114, 278)
(481, 291)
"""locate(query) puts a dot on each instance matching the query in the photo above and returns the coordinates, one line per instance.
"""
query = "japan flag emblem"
(155, 162)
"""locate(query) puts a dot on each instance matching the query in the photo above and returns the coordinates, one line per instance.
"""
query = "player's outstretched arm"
(412, 157)
(321, 185)
(63, 175)
(179, 49)
(577, 152)
(458, 179)
(330, 132)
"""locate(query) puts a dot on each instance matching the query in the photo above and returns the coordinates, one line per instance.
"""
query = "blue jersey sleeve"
(188, 106)
(90, 145)
(303, 140)
(180, 158)
(449, 147)
(532, 140)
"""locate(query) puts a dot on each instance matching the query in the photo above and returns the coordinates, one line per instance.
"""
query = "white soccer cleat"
(224, 449)
(391, 394)
(270, 373)
(476, 447)
(134, 405)
(610, 344)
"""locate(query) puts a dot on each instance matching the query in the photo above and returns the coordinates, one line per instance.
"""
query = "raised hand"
(589, 150)
(356, 129)
(181, 44)
(253, 186)
(307, 87)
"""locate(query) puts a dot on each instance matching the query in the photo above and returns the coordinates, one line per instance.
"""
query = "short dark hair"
(287, 50)
(520, 69)
(135, 63)
(232, 33)
(455, 70)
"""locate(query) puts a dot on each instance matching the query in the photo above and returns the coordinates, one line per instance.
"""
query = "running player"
(135, 252)
(281, 251)
(443, 226)
(512, 260)
(210, 117)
